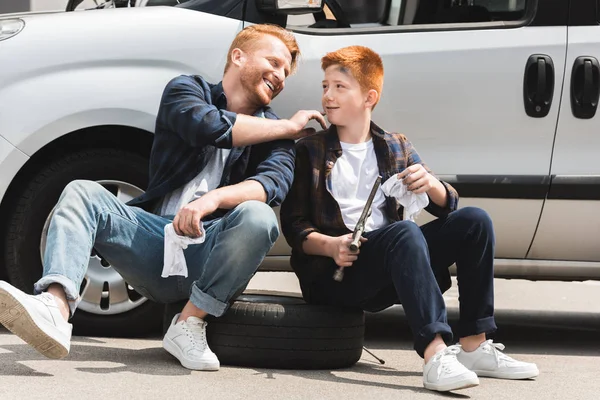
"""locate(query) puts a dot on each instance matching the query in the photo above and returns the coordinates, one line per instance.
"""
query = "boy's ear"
(372, 97)
(238, 57)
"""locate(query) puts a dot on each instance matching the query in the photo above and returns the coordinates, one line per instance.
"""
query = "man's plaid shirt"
(310, 207)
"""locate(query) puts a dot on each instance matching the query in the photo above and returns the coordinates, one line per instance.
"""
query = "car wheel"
(283, 332)
(109, 306)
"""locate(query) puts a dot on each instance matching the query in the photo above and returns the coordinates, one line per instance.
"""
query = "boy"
(220, 158)
(397, 262)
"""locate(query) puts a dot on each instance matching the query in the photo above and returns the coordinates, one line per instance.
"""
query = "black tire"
(34, 202)
(284, 332)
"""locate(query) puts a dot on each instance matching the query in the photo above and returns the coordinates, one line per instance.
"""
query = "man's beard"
(252, 81)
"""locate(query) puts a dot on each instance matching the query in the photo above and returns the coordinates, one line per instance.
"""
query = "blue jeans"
(399, 264)
(132, 240)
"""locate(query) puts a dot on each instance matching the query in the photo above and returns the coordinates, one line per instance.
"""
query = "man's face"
(343, 99)
(265, 68)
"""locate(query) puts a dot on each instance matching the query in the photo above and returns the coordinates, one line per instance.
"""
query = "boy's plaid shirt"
(310, 207)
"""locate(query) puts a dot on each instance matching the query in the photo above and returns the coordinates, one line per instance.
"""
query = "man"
(398, 261)
(220, 160)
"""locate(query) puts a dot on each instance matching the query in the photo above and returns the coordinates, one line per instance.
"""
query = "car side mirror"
(289, 7)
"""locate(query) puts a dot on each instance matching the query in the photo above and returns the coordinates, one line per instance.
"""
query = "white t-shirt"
(352, 178)
(208, 179)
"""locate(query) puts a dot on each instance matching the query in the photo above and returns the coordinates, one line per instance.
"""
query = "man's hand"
(301, 118)
(417, 179)
(340, 250)
(187, 220)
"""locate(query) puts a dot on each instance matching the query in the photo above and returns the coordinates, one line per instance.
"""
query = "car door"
(570, 225)
(461, 93)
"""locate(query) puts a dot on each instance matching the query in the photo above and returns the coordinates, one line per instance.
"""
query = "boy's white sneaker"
(186, 341)
(36, 319)
(443, 372)
(487, 360)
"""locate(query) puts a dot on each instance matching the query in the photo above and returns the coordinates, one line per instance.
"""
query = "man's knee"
(257, 217)
(82, 189)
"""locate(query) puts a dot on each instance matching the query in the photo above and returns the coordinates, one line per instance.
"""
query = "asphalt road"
(555, 325)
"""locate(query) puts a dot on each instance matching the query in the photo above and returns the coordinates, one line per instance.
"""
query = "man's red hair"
(247, 38)
(363, 63)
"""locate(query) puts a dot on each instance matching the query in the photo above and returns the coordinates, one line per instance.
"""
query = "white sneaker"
(487, 360)
(186, 341)
(35, 319)
(443, 372)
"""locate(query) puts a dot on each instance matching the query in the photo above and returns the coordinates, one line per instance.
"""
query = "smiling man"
(220, 160)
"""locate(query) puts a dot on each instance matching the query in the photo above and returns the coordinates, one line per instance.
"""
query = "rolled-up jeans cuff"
(427, 334)
(483, 325)
(68, 285)
(206, 303)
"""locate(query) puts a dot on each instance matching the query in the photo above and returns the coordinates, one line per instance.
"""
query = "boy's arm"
(296, 219)
(420, 179)
(296, 213)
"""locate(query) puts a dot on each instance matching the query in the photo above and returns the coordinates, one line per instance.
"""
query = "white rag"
(413, 203)
(174, 261)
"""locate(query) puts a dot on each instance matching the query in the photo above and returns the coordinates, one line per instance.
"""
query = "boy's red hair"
(247, 38)
(363, 63)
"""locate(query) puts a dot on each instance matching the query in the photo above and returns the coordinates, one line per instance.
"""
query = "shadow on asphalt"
(135, 361)
(370, 371)
(537, 335)
(155, 361)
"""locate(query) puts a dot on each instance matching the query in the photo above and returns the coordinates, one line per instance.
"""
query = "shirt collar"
(218, 95)
(334, 149)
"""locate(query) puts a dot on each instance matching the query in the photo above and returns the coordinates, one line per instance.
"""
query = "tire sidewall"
(35, 202)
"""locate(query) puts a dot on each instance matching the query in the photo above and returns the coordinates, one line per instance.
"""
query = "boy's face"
(343, 99)
(264, 70)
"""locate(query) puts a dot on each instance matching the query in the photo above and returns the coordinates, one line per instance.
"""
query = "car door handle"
(538, 85)
(585, 87)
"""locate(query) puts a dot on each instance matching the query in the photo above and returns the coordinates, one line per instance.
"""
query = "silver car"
(498, 96)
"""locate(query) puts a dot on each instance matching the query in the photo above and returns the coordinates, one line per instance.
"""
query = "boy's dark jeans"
(398, 264)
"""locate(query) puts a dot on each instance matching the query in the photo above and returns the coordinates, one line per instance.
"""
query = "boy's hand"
(301, 118)
(417, 179)
(187, 220)
(340, 250)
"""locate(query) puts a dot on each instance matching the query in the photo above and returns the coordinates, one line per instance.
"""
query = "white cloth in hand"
(174, 260)
(413, 203)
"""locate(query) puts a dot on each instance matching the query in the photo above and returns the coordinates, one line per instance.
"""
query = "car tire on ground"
(31, 208)
(284, 332)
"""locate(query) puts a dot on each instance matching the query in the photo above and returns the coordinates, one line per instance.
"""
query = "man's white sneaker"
(186, 341)
(35, 319)
(487, 360)
(443, 372)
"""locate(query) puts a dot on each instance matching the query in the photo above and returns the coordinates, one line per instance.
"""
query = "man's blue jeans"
(132, 240)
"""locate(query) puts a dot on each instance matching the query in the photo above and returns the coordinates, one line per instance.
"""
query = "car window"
(385, 13)
(151, 3)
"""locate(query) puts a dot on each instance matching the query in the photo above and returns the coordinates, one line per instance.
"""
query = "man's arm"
(269, 185)
(185, 111)
(249, 130)
(187, 220)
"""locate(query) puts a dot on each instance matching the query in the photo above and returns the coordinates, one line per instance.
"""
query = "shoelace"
(495, 349)
(196, 331)
(447, 359)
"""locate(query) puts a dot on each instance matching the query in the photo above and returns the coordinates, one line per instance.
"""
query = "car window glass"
(373, 13)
